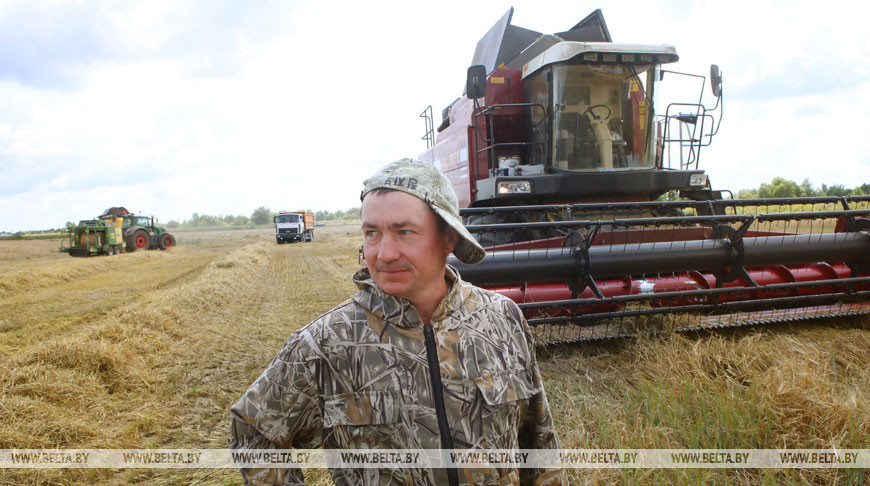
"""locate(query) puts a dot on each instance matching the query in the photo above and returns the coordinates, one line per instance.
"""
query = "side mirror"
(475, 83)
(715, 80)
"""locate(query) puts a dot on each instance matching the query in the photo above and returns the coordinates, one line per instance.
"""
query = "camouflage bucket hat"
(430, 185)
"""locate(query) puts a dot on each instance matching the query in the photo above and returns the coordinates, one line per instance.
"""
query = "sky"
(218, 107)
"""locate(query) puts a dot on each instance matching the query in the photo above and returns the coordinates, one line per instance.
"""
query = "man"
(417, 359)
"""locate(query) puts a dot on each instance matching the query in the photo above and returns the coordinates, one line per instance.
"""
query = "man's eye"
(406, 232)
(370, 234)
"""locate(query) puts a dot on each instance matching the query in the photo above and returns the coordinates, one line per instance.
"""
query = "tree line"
(260, 216)
(778, 187)
(781, 187)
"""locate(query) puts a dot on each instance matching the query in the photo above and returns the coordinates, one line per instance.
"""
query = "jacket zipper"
(438, 398)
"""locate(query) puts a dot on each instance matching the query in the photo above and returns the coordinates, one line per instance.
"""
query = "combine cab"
(560, 160)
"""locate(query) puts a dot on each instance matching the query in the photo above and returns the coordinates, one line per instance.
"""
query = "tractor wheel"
(110, 251)
(141, 240)
(117, 249)
(166, 241)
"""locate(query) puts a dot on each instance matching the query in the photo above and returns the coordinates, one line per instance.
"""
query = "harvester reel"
(581, 245)
(721, 270)
(495, 238)
(736, 269)
(573, 238)
(855, 225)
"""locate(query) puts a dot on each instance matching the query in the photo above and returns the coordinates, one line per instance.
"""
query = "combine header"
(558, 155)
(578, 279)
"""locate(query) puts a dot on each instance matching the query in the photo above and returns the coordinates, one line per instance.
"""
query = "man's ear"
(451, 238)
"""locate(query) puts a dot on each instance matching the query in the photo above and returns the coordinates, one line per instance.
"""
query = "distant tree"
(172, 224)
(836, 190)
(779, 187)
(238, 220)
(262, 215)
(807, 189)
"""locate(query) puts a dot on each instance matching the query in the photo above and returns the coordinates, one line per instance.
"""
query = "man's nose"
(389, 250)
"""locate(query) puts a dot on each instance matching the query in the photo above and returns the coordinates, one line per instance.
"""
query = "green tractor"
(114, 231)
(142, 233)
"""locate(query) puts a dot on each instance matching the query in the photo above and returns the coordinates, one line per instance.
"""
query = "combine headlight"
(515, 187)
(698, 180)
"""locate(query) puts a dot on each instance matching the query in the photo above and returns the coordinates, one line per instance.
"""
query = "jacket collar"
(400, 312)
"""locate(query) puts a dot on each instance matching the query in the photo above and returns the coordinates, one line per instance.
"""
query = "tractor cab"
(133, 220)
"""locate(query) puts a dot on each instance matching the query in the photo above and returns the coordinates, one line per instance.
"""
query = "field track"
(149, 350)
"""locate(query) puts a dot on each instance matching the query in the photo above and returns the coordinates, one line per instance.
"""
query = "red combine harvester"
(561, 160)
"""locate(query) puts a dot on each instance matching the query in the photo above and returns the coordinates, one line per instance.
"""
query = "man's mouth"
(392, 270)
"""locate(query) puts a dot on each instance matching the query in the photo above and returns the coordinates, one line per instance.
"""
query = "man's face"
(404, 251)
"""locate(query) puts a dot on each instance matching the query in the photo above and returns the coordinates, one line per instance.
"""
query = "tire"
(141, 239)
(280, 241)
(110, 251)
(118, 249)
(166, 241)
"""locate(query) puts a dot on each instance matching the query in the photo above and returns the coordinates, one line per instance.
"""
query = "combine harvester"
(560, 160)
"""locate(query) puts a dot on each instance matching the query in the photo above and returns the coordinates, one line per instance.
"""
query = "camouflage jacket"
(358, 377)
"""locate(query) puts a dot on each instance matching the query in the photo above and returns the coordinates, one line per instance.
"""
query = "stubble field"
(149, 350)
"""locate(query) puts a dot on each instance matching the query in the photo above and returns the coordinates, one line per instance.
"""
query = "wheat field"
(149, 350)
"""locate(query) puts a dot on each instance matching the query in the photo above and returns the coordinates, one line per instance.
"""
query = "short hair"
(441, 224)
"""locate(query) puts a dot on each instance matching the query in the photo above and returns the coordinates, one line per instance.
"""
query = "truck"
(294, 226)
(114, 231)
(562, 164)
